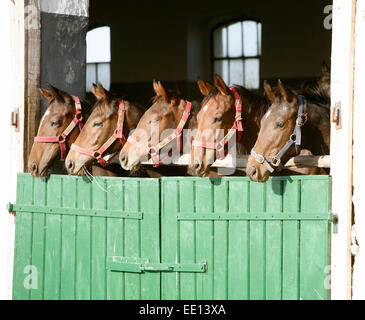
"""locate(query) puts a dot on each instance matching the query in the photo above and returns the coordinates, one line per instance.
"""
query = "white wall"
(11, 161)
(359, 155)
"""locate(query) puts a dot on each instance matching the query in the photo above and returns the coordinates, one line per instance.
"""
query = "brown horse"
(293, 121)
(110, 121)
(58, 119)
(159, 129)
(220, 113)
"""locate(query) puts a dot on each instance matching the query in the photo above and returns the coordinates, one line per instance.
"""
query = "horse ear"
(204, 87)
(160, 90)
(268, 90)
(284, 92)
(95, 91)
(102, 92)
(46, 94)
(221, 85)
(56, 93)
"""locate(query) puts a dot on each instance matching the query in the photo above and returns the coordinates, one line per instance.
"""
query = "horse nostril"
(252, 171)
(122, 157)
(197, 165)
(70, 164)
(32, 166)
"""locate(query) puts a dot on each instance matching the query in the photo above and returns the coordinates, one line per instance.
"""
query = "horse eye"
(55, 123)
(217, 119)
(97, 124)
(280, 124)
(153, 122)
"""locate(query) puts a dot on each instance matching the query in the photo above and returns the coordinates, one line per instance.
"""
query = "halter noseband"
(176, 135)
(61, 139)
(117, 135)
(272, 163)
(237, 126)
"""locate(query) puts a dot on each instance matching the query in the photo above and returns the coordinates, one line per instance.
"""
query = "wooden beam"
(241, 162)
(32, 75)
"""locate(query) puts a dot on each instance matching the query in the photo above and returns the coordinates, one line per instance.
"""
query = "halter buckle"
(301, 119)
(275, 161)
(293, 137)
(96, 154)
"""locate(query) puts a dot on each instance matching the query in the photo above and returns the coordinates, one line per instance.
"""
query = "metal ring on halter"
(293, 137)
(302, 118)
(275, 161)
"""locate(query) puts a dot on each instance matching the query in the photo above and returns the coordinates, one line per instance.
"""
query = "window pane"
(90, 76)
(235, 40)
(220, 42)
(104, 75)
(221, 68)
(252, 73)
(259, 28)
(236, 72)
(250, 40)
(98, 45)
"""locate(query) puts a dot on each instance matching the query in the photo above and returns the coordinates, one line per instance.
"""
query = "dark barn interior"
(173, 41)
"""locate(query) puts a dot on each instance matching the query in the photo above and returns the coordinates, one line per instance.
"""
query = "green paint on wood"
(254, 241)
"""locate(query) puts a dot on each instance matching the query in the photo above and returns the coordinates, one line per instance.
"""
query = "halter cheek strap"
(117, 135)
(176, 135)
(272, 163)
(237, 126)
(61, 139)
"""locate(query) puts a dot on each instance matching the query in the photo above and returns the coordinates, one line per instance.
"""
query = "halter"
(61, 139)
(154, 151)
(237, 126)
(272, 163)
(117, 135)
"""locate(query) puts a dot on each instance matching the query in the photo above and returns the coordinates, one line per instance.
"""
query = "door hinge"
(336, 115)
(14, 120)
(139, 265)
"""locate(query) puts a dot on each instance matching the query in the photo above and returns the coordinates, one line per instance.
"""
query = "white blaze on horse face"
(45, 115)
(267, 114)
(205, 108)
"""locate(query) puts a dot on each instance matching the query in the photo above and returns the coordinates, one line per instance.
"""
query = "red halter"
(61, 139)
(237, 126)
(118, 134)
(176, 135)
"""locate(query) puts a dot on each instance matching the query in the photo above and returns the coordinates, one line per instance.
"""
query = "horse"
(294, 121)
(58, 129)
(104, 133)
(160, 130)
(228, 111)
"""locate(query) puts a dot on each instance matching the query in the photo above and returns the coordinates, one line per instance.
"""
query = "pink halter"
(61, 139)
(237, 126)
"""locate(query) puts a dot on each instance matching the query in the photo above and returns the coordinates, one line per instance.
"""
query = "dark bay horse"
(105, 131)
(158, 131)
(58, 129)
(294, 120)
(225, 110)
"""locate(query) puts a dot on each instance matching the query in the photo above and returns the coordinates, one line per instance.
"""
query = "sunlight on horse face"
(98, 128)
(57, 117)
(215, 118)
(157, 123)
(277, 125)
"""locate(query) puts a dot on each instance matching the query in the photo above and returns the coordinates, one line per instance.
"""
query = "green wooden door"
(69, 230)
(174, 238)
(259, 240)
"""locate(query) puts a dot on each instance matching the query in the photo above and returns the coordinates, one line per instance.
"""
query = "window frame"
(226, 23)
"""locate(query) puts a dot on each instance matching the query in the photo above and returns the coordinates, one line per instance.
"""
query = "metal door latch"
(139, 265)
(336, 116)
(14, 120)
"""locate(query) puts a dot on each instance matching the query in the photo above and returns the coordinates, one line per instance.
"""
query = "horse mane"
(256, 103)
(316, 94)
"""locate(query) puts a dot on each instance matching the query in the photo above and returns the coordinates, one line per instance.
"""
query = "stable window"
(98, 57)
(237, 53)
